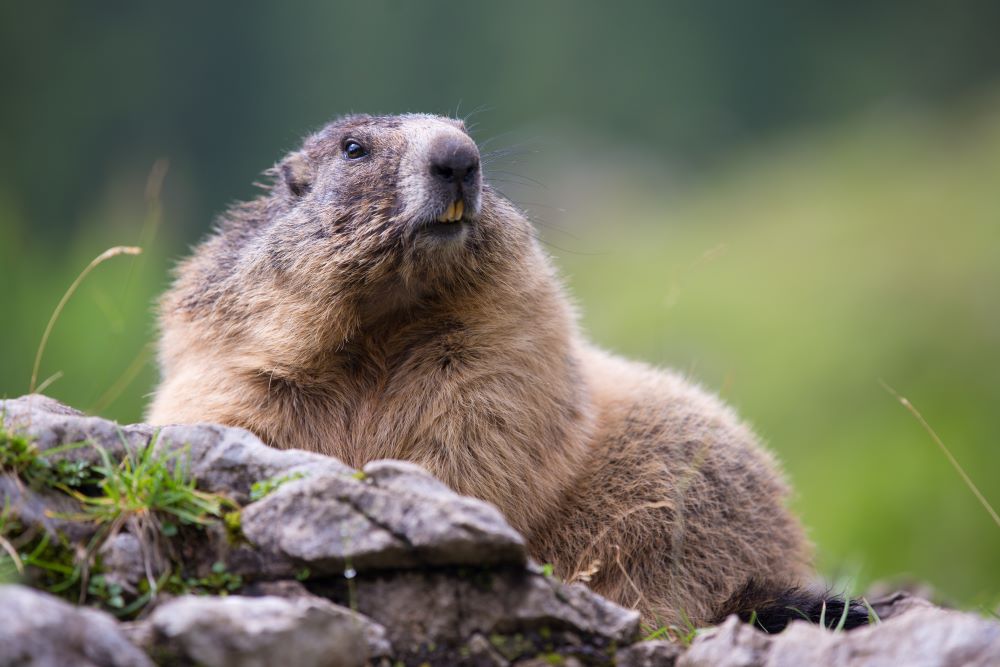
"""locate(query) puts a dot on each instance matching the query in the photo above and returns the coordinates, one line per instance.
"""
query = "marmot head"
(379, 205)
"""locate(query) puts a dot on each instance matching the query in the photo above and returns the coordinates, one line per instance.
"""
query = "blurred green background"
(789, 201)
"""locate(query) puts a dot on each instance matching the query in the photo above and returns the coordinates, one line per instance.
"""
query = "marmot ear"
(296, 173)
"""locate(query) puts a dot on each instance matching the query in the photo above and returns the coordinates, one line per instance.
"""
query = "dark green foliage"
(20, 457)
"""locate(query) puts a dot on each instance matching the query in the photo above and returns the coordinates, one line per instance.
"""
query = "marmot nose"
(454, 161)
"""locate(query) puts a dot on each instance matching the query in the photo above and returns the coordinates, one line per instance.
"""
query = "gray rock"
(222, 459)
(478, 651)
(898, 603)
(398, 516)
(547, 661)
(283, 588)
(521, 611)
(656, 653)
(239, 631)
(230, 460)
(122, 561)
(40, 630)
(49, 423)
(921, 637)
(41, 509)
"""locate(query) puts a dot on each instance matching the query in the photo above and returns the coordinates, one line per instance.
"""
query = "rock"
(434, 577)
(548, 661)
(42, 509)
(221, 458)
(239, 631)
(122, 561)
(898, 603)
(521, 612)
(230, 460)
(732, 644)
(654, 653)
(397, 516)
(49, 423)
(41, 630)
(921, 637)
(285, 588)
(478, 651)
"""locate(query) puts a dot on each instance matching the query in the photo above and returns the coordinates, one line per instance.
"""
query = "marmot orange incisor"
(382, 301)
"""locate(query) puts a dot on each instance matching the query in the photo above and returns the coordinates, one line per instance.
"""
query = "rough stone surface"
(223, 459)
(422, 576)
(239, 631)
(41, 630)
(921, 637)
(49, 423)
(122, 560)
(521, 611)
(657, 653)
(896, 604)
(41, 509)
(229, 460)
(396, 516)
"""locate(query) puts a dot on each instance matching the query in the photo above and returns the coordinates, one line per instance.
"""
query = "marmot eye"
(353, 150)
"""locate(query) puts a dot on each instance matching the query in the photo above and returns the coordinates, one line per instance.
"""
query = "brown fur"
(320, 316)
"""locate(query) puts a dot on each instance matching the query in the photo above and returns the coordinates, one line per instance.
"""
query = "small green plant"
(149, 493)
(682, 634)
(150, 486)
(19, 456)
(873, 618)
(109, 593)
(233, 522)
(265, 487)
(47, 562)
(218, 582)
(843, 615)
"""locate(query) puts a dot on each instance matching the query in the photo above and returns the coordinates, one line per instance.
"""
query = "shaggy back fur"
(335, 313)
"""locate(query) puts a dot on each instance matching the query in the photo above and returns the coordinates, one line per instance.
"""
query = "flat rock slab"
(237, 631)
(921, 637)
(394, 516)
(43, 631)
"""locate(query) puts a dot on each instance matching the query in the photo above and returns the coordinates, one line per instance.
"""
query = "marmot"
(381, 300)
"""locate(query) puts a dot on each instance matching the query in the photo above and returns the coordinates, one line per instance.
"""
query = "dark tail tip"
(771, 610)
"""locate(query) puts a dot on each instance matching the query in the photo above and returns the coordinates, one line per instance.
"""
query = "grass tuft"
(150, 484)
(149, 493)
(682, 634)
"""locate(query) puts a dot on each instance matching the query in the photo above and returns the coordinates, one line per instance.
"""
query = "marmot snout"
(382, 301)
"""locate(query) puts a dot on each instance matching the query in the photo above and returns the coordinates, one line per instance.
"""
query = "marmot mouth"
(453, 213)
(449, 223)
(444, 229)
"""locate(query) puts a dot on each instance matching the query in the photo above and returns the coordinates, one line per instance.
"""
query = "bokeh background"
(789, 201)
